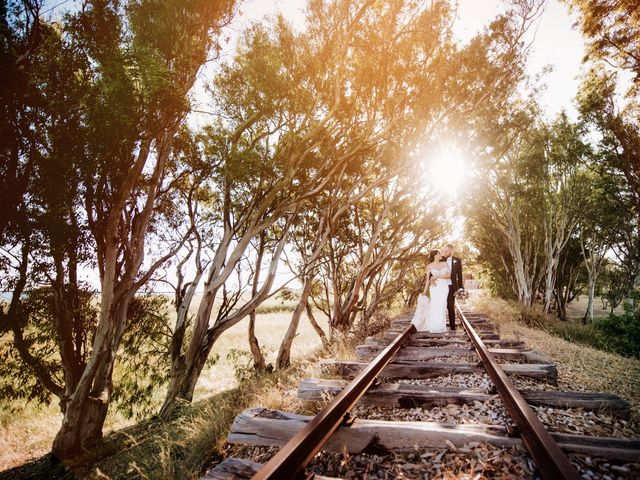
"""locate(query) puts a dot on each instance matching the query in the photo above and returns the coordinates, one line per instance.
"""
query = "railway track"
(403, 370)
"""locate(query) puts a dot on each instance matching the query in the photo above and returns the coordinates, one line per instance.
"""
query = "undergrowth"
(184, 445)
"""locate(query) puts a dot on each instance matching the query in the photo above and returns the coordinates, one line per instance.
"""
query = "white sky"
(554, 42)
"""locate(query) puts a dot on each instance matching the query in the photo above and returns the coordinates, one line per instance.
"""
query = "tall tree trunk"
(204, 337)
(284, 353)
(588, 315)
(87, 409)
(259, 363)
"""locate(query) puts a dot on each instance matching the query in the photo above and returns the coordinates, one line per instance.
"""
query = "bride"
(431, 313)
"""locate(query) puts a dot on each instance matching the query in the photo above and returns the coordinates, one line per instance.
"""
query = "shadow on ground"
(179, 447)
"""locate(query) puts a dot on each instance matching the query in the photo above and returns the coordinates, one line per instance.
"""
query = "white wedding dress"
(431, 313)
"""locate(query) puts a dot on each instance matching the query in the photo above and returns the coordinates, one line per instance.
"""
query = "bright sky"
(554, 42)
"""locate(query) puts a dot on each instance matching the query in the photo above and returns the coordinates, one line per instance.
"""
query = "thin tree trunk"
(259, 363)
(183, 386)
(588, 315)
(316, 326)
(284, 353)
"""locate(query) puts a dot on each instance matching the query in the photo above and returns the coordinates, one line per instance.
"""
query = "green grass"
(616, 333)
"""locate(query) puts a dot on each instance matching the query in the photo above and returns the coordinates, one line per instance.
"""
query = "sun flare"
(447, 171)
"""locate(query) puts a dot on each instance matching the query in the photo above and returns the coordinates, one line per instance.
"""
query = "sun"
(447, 171)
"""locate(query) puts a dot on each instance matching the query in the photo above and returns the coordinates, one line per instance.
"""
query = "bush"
(533, 318)
(621, 333)
(615, 333)
(275, 308)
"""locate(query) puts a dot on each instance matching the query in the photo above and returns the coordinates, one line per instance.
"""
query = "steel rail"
(550, 459)
(294, 456)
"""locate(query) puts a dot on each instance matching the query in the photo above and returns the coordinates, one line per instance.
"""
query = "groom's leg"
(451, 308)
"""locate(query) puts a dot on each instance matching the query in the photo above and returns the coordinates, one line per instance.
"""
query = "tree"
(617, 159)
(301, 109)
(313, 229)
(562, 155)
(570, 276)
(511, 192)
(613, 32)
(124, 70)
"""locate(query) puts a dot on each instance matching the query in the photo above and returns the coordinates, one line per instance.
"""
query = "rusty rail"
(550, 459)
(294, 456)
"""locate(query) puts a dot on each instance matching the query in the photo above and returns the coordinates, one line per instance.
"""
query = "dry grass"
(27, 430)
(579, 367)
(195, 437)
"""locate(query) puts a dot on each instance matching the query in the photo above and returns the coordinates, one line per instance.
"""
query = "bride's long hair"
(433, 254)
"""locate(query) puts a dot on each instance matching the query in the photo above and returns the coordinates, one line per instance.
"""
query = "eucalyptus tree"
(570, 275)
(535, 180)
(114, 82)
(617, 146)
(43, 244)
(389, 273)
(386, 228)
(563, 156)
(25, 44)
(600, 229)
(612, 30)
(312, 230)
(512, 197)
(298, 109)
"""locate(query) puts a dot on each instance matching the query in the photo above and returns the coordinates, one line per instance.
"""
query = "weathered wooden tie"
(260, 426)
(444, 342)
(421, 354)
(400, 395)
(415, 360)
(457, 334)
(239, 468)
(398, 369)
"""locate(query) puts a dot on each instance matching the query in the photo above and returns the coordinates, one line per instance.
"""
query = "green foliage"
(42, 377)
(621, 333)
(277, 308)
(612, 28)
(615, 333)
(242, 361)
(143, 356)
(532, 317)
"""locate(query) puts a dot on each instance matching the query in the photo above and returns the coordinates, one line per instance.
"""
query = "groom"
(455, 284)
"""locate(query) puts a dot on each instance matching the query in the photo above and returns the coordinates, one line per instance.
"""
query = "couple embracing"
(444, 279)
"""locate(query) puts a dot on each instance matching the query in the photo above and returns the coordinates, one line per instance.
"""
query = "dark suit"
(456, 284)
